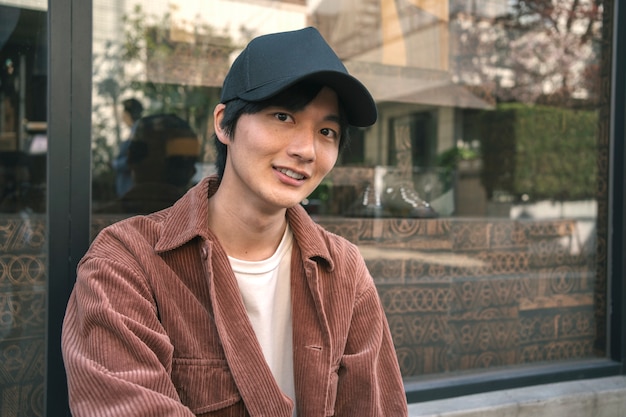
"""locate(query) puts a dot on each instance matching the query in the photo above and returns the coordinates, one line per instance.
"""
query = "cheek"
(257, 139)
(327, 158)
(246, 142)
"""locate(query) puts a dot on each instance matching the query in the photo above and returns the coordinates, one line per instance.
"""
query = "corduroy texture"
(155, 326)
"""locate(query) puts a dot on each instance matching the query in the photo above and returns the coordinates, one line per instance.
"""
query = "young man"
(233, 302)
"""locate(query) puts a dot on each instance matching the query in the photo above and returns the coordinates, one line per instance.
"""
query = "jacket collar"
(187, 219)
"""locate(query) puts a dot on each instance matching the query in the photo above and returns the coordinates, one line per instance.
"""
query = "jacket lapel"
(311, 339)
(252, 375)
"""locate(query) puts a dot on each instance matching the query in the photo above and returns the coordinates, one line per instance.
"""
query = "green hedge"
(543, 152)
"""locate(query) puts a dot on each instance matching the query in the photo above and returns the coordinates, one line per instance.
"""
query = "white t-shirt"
(265, 287)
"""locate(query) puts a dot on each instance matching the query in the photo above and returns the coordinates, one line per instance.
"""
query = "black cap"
(271, 63)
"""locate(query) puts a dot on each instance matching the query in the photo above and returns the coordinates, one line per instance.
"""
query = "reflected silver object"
(390, 195)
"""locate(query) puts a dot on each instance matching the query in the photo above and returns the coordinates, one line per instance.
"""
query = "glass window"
(479, 197)
(23, 150)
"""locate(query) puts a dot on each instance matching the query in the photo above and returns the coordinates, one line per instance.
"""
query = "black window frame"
(69, 174)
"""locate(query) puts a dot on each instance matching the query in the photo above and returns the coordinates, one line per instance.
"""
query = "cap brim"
(356, 100)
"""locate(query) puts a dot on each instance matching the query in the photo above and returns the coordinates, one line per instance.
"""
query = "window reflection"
(160, 156)
(23, 150)
(477, 197)
(132, 109)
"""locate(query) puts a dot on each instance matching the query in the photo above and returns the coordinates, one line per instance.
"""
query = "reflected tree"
(539, 62)
(544, 51)
(172, 65)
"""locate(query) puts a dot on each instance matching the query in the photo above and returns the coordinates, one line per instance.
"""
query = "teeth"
(292, 174)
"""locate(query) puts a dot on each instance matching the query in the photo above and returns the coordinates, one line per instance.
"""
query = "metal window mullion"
(69, 169)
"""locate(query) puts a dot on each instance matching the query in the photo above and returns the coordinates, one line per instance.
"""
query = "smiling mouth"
(291, 174)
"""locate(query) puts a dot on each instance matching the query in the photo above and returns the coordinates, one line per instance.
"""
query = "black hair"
(294, 98)
(133, 107)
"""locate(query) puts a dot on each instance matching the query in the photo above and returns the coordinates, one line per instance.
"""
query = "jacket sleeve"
(370, 384)
(116, 353)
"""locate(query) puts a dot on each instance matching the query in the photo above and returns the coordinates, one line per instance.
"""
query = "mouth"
(291, 174)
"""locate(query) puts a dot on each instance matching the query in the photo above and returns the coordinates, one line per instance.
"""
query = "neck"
(243, 232)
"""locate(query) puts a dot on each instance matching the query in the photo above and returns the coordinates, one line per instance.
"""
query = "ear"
(218, 116)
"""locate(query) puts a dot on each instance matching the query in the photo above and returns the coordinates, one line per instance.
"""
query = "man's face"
(278, 157)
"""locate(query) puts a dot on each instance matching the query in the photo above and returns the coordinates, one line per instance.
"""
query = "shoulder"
(137, 233)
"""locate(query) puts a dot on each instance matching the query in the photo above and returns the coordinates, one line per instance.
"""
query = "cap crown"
(274, 62)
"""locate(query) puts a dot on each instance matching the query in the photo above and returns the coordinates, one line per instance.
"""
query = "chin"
(288, 203)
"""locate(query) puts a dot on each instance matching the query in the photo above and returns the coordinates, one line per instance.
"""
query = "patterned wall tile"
(556, 351)
(22, 234)
(508, 235)
(478, 336)
(22, 372)
(23, 279)
(470, 235)
(22, 314)
(508, 292)
(22, 270)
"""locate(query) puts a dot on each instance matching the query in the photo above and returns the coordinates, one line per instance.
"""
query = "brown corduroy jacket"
(155, 326)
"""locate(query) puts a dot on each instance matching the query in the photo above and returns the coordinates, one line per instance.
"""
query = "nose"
(302, 145)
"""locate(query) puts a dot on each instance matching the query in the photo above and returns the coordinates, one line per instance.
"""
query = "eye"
(283, 117)
(329, 133)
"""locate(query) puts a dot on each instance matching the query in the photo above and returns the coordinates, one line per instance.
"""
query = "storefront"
(488, 199)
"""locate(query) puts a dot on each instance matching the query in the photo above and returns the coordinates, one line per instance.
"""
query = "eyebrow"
(333, 118)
